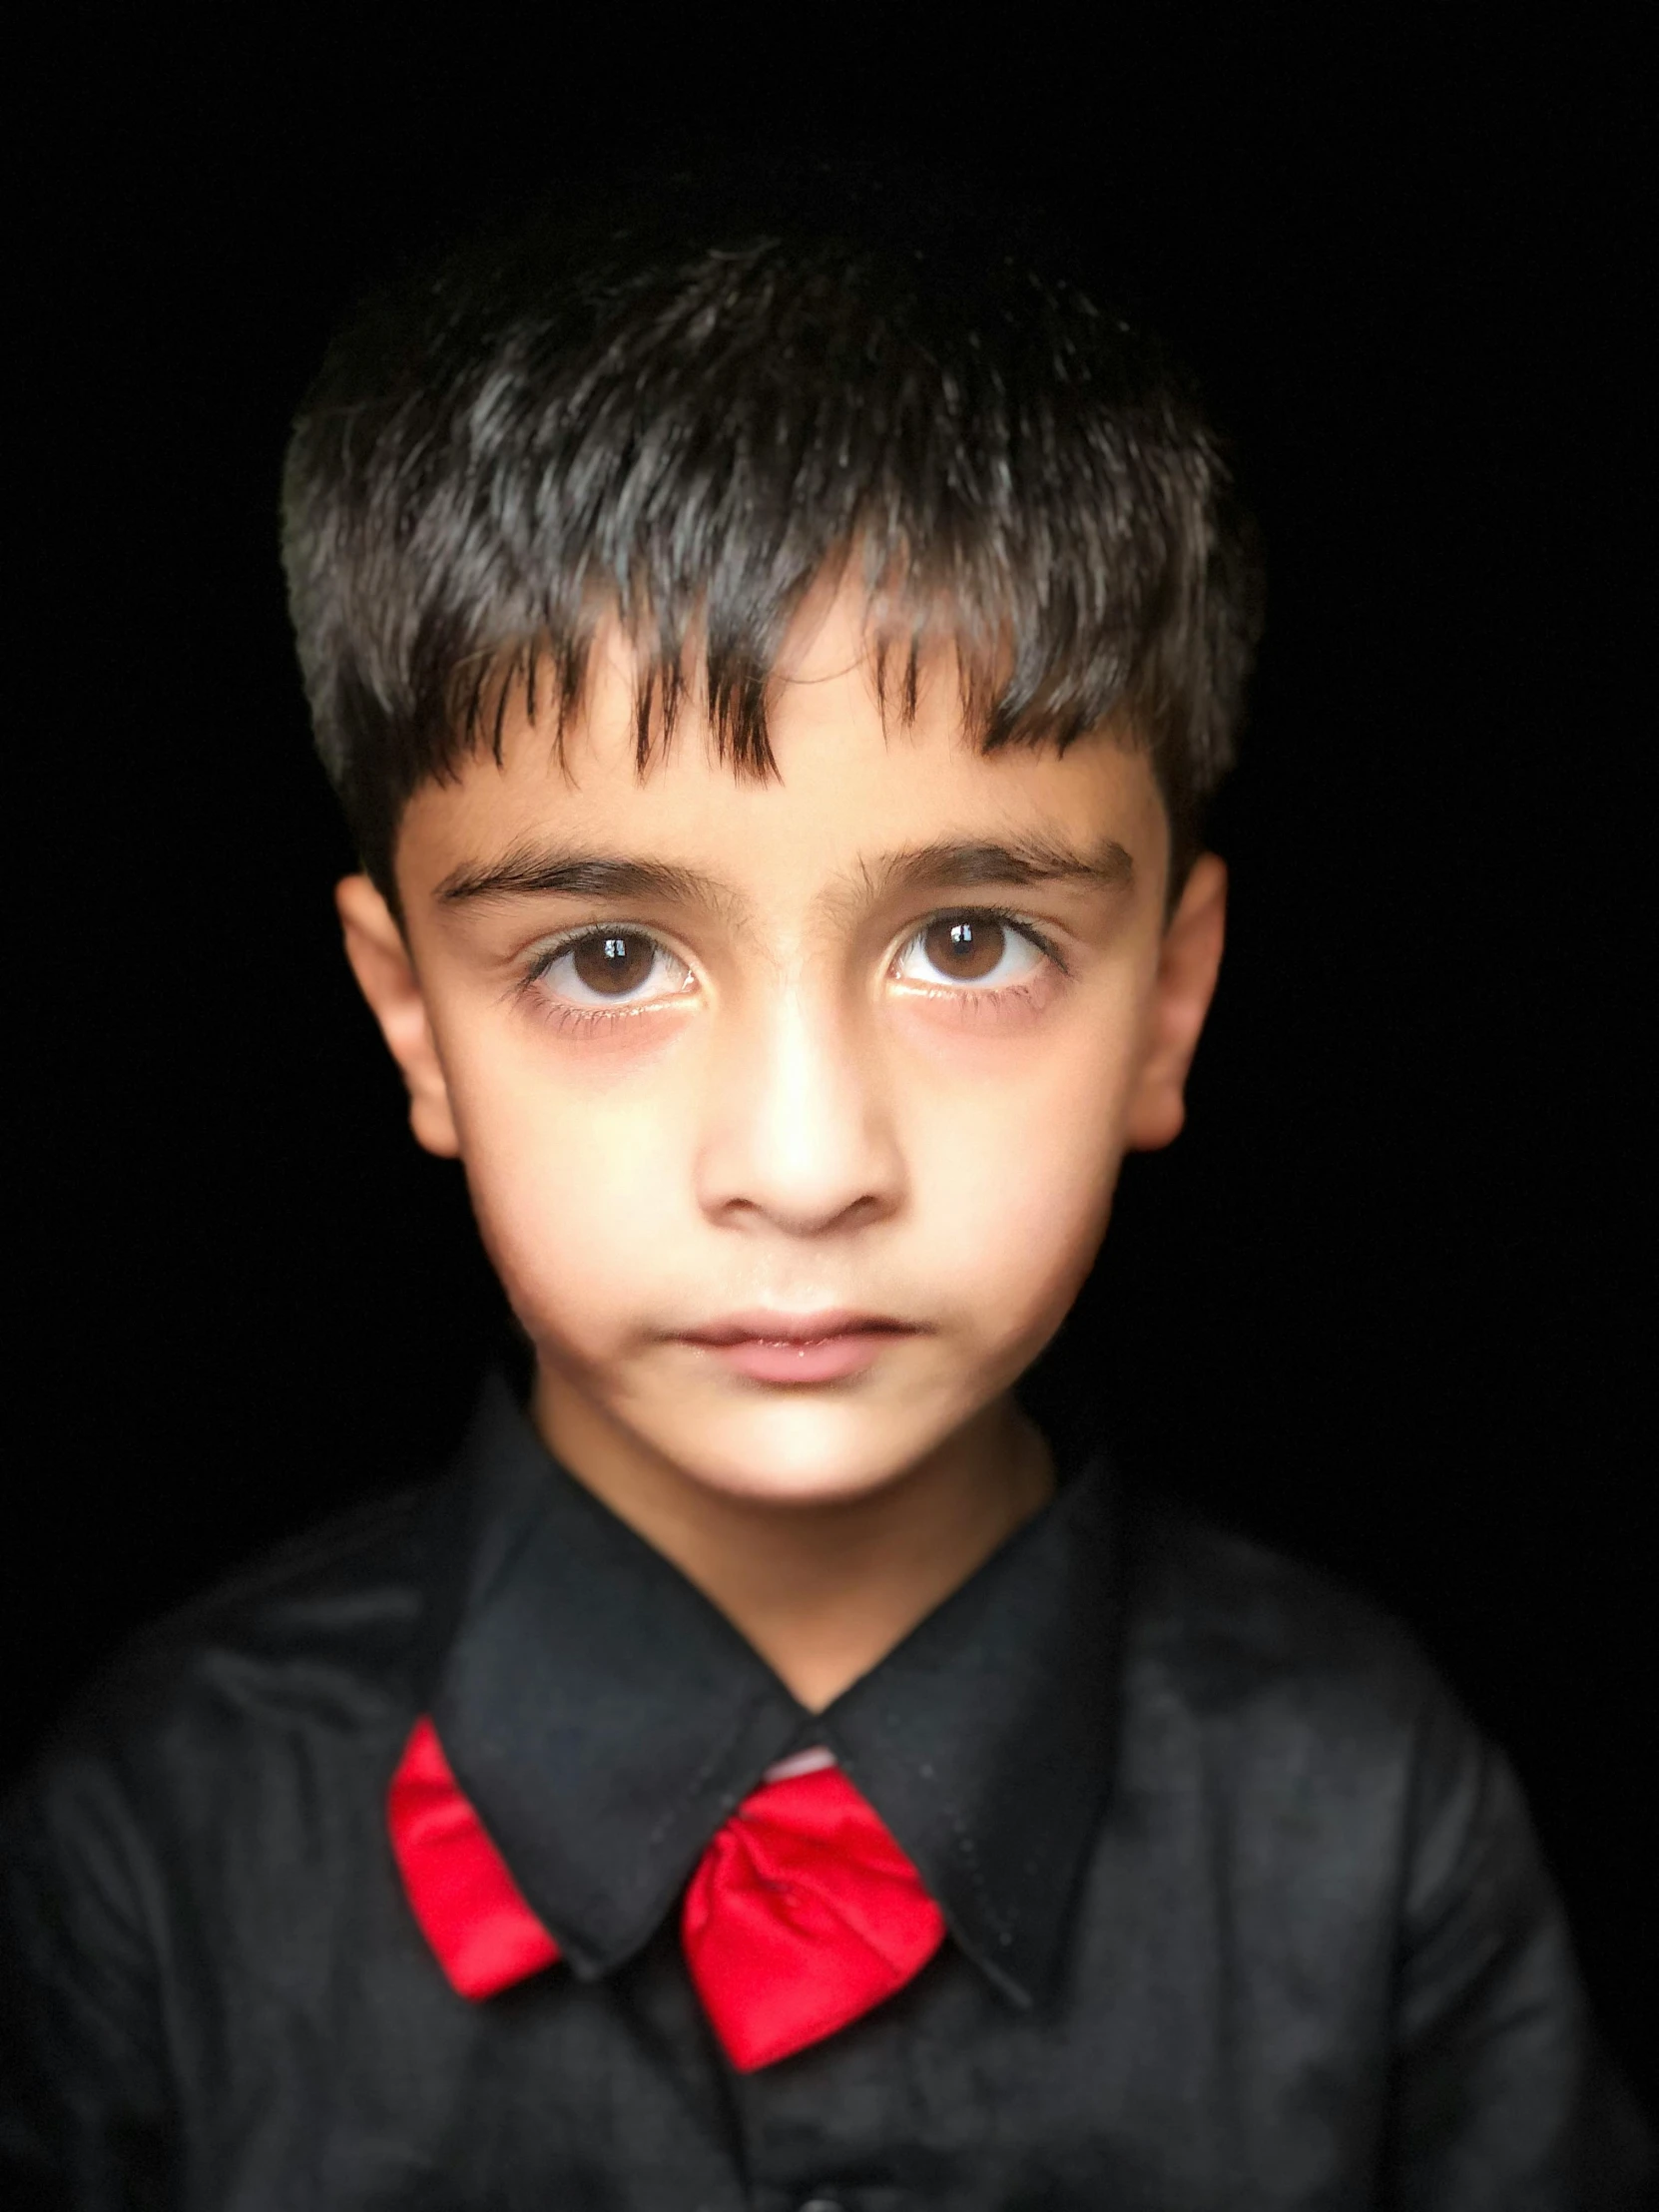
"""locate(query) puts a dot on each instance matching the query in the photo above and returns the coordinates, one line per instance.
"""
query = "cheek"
(1015, 1185)
(574, 1197)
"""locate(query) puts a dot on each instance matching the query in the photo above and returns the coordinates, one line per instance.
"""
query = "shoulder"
(234, 1750)
(1267, 1703)
(1232, 1611)
(1288, 1672)
(219, 1775)
(1290, 1741)
(311, 1643)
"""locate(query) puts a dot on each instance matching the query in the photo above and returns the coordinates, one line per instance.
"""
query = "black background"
(1384, 1300)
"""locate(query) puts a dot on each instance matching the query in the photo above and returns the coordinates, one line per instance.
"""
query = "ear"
(1188, 964)
(387, 977)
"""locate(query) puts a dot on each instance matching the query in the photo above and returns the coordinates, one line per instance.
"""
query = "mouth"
(826, 1347)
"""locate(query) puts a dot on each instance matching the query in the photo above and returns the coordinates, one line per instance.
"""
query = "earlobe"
(1189, 962)
(385, 975)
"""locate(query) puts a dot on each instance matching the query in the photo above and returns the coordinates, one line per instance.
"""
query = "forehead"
(854, 781)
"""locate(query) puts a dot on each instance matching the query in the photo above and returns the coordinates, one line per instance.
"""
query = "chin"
(802, 1455)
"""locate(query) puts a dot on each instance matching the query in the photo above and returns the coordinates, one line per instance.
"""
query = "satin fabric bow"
(801, 1915)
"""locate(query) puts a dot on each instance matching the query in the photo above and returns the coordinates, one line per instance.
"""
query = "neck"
(821, 1591)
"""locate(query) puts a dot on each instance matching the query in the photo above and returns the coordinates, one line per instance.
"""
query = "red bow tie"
(801, 1915)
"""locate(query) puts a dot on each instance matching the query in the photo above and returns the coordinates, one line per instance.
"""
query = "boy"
(773, 674)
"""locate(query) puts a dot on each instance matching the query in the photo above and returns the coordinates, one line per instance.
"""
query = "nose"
(798, 1130)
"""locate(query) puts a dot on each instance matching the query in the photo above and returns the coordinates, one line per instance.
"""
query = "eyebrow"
(543, 871)
(1033, 859)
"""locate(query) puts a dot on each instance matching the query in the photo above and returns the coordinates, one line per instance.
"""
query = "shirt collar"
(604, 1718)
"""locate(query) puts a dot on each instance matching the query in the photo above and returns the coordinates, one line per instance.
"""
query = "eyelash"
(583, 1020)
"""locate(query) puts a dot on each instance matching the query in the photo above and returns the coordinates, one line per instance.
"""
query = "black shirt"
(1242, 1912)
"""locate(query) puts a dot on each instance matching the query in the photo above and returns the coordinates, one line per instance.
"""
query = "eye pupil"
(612, 963)
(965, 946)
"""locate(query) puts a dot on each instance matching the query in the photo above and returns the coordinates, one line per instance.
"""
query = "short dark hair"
(686, 408)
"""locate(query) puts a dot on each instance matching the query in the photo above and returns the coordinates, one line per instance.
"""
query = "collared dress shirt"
(1242, 1910)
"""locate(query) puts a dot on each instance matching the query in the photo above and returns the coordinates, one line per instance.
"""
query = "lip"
(826, 1347)
(795, 1329)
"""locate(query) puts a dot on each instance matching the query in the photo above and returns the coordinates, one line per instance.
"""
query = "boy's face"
(855, 1053)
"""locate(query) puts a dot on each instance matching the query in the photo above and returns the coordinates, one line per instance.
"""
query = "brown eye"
(613, 963)
(965, 946)
(979, 953)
